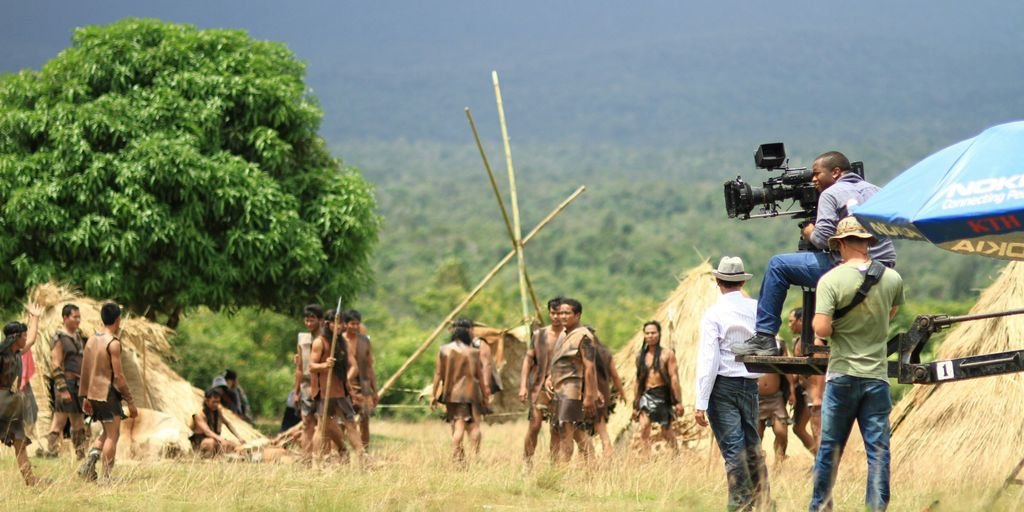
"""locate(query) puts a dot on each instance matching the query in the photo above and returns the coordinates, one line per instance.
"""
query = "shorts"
(772, 407)
(461, 411)
(656, 403)
(340, 407)
(12, 427)
(307, 405)
(568, 410)
(105, 412)
(72, 407)
(540, 404)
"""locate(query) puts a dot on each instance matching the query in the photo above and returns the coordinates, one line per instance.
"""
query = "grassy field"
(412, 472)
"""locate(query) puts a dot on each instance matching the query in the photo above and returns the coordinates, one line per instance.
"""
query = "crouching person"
(206, 427)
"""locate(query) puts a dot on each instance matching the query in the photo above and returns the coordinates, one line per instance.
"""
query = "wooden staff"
(444, 323)
(325, 394)
(515, 200)
(504, 212)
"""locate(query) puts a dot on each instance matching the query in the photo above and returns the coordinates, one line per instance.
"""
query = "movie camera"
(793, 184)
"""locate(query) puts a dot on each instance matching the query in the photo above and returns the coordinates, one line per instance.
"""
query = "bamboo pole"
(325, 390)
(520, 257)
(444, 323)
(504, 212)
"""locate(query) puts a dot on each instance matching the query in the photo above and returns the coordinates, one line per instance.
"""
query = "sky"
(655, 72)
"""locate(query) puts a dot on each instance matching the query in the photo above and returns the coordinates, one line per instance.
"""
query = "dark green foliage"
(167, 167)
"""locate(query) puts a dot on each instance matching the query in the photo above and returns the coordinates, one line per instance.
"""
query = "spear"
(325, 394)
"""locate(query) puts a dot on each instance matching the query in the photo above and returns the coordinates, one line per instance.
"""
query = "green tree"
(166, 167)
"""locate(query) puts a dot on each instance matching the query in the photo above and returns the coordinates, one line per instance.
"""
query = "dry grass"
(165, 391)
(971, 430)
(682, 310)
(412, 472)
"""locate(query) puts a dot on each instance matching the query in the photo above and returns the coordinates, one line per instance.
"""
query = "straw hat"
(848, 227)
(731, 269)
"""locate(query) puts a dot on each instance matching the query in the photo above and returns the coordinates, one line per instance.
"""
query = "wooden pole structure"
(444, 323)
(325, 394)
(504, 212)
(515, 198)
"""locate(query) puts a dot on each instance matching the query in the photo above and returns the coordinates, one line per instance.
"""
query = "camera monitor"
(770, 156)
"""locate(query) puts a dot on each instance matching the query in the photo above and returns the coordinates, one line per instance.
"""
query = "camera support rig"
(908, 368)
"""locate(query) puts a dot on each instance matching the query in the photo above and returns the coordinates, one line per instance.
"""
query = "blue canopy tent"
(967, 198)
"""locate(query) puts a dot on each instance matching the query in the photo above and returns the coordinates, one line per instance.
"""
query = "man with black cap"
(727, 391)
(18, 337)
(856, 301)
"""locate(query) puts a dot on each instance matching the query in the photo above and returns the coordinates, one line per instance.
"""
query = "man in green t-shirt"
(857, 385)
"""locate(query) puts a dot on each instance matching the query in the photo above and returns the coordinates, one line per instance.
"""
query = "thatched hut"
(166, 400)
(680, 316)
(967, 434)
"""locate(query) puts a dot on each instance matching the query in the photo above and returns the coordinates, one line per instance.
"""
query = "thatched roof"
(694, 294)
(171, 399)
(968, 433)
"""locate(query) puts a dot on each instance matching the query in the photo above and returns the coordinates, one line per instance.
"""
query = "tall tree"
(166, 166)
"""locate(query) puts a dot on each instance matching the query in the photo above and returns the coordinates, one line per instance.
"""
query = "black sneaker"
(757, 345)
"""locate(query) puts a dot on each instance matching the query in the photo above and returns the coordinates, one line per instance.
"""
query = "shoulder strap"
(871, 278)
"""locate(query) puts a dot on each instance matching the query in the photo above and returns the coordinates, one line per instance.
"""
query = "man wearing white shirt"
(727, 392)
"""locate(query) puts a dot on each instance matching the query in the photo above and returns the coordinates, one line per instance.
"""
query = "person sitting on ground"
(206, 426)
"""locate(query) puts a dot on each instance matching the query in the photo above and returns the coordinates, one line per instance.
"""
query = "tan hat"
(731, 269)
(847, 227)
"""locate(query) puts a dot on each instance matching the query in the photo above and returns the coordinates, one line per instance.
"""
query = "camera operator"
(840, 189)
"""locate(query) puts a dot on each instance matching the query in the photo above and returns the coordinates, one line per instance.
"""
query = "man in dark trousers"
(727, 392)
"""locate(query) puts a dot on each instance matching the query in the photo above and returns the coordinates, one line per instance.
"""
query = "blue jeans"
(732, 412)
(784, 270)
(867, 401)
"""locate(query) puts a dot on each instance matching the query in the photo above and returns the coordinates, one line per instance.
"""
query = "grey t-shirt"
(835, 203)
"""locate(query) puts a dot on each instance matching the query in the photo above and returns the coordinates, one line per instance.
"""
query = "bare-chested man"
(493, 380)
(362, 381)
(607, 375)
(18, 337)
(66, 349)
(206, 427)
(810, 390)
(458, 384)
(573, 377)
(312, 318)
(102, 388)
(536, 363)
(332, 402)
(657, 388)
(772, 392)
